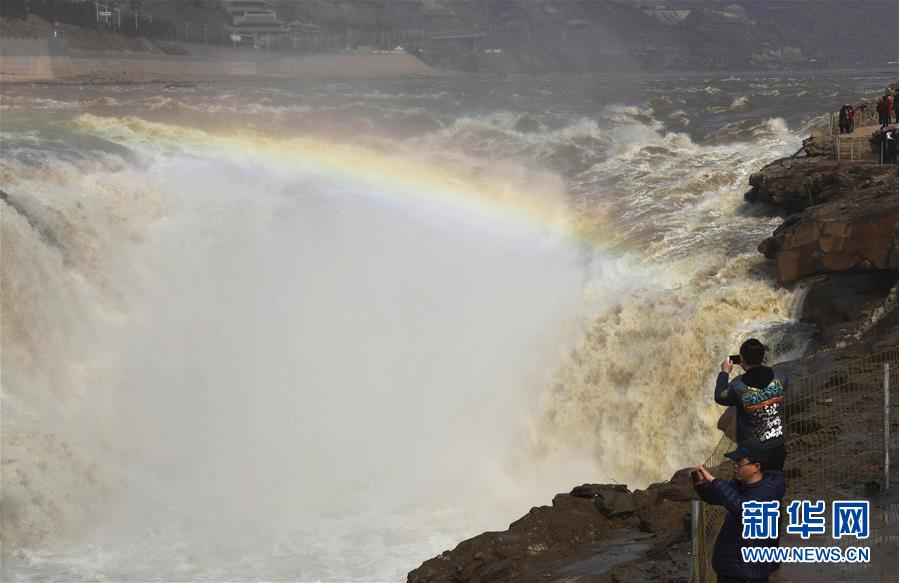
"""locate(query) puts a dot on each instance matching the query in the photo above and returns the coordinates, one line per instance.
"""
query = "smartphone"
(735, 359)
(694, 475)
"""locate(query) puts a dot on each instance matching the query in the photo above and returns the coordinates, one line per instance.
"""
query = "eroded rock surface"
(596, 532)
(795, 184)
(846, 216)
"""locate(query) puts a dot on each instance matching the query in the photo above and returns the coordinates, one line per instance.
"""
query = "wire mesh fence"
(866, 148)
(838, 435)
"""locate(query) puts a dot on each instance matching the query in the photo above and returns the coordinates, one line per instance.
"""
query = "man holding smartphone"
(752, 481)
(758, 397)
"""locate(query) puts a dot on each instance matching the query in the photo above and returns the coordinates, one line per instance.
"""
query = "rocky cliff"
(841, 241)
(596, 528)
(844, 216)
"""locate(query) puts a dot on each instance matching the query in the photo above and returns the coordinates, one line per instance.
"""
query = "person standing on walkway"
(850, 119)
(844, 119)
(892, 97)
(758, 397)
(885, 110)
(753, 482)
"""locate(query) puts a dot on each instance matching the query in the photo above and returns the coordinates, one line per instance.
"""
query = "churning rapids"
(324, 331)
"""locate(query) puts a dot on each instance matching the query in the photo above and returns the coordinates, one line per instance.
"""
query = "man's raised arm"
(723, 394)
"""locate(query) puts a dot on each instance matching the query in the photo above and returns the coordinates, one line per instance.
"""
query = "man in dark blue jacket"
(758, 396)
(751, 482)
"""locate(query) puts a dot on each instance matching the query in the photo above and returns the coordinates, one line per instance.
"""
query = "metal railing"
(858, 149)
(870, 149)
(838, 439)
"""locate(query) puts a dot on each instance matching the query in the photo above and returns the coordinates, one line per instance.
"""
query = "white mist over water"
(337, 333)
(266, 355)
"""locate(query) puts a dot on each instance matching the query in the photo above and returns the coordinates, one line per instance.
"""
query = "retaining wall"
(35, 59)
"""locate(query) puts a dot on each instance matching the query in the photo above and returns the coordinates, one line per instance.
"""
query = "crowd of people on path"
(887, 113)
(756, 401)
(886, 138)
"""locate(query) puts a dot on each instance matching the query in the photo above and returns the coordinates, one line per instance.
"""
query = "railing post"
(886, 427)
(694, 536)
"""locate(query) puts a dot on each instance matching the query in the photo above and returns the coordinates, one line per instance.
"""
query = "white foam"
(273, 350)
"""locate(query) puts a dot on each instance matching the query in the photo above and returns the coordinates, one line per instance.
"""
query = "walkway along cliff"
(840, 242)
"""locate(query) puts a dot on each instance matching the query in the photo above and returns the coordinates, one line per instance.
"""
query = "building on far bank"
(255, 23)
(258, 25)
(304, 35)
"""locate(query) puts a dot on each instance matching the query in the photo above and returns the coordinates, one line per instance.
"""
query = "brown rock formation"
(795, 184)
(848, 216)
(597, 532)
(835, 303)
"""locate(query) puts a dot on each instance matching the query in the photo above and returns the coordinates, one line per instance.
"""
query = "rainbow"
(403, 176)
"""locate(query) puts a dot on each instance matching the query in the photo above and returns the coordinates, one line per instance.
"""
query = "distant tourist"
(885, 110)
(753, 481)
(844, 119)
(850, 118)
(757, 396)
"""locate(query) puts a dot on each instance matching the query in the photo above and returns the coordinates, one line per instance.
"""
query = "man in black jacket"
(758, 395)
(752, 482)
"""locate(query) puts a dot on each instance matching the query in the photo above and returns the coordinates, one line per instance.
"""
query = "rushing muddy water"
(324, 331)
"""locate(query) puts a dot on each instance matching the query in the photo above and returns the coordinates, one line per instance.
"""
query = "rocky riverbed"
(840, 240)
